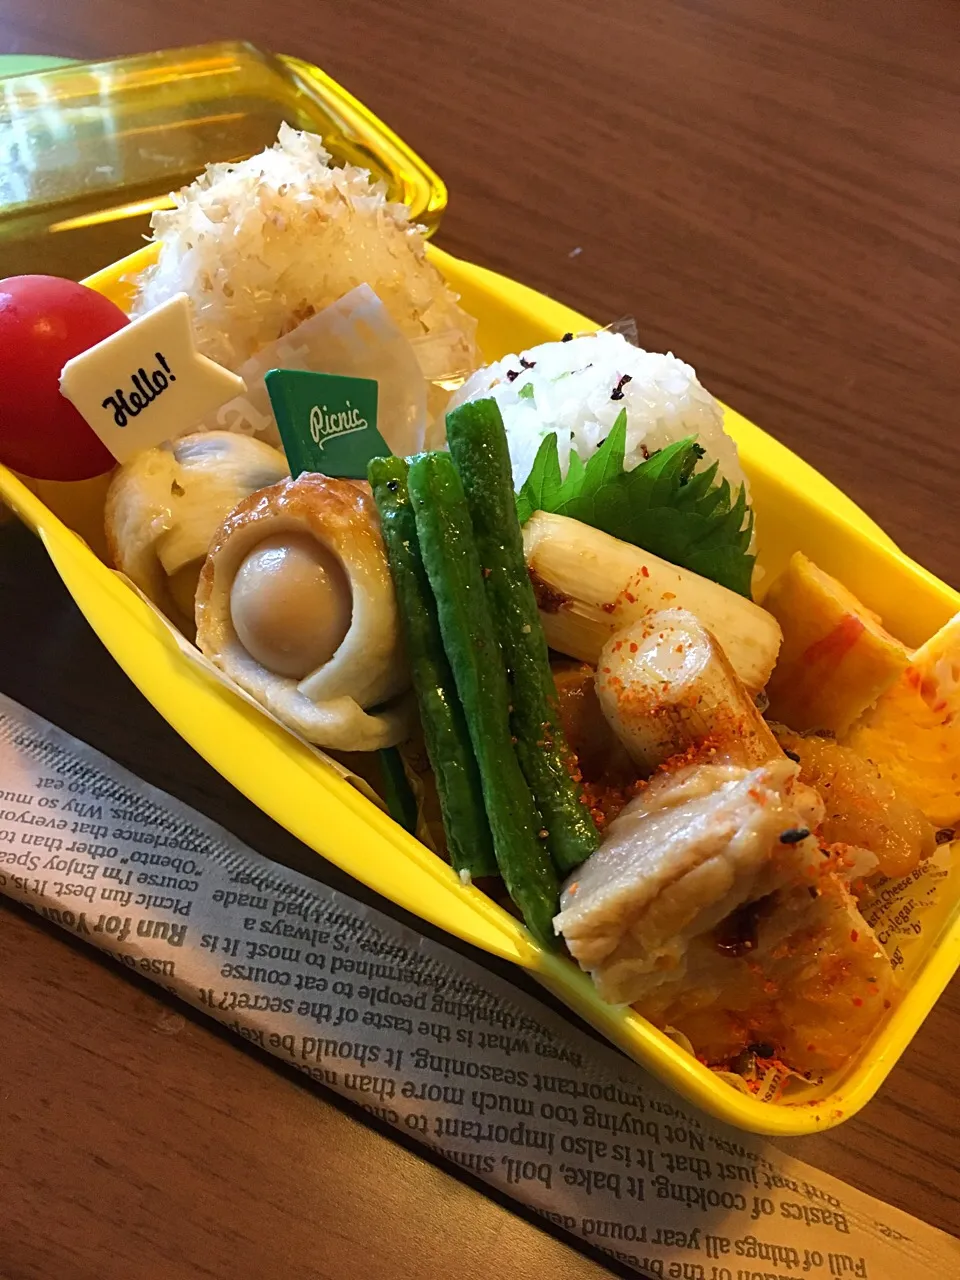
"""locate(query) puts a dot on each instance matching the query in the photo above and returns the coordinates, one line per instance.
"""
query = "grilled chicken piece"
(800, 974)
(693, 846)
(862, 808)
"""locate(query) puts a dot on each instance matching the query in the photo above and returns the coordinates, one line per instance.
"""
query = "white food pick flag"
(147, 382)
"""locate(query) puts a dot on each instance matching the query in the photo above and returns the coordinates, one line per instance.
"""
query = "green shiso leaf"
(542, 487)
(661, 505)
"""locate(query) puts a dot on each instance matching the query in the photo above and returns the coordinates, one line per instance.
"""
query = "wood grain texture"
(772, 189)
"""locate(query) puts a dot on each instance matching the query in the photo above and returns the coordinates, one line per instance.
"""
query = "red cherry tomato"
(44, 322)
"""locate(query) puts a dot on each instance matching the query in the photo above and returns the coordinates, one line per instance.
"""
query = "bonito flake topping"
(264, 244)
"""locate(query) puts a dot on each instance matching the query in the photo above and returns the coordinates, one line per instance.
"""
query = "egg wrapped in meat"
(296, 605)
(164, 506)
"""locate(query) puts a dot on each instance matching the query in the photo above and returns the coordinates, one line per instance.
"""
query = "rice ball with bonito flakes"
(262, 245)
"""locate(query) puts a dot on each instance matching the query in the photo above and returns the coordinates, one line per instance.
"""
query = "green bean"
(453, 567)
(447, 740)
(478, 444)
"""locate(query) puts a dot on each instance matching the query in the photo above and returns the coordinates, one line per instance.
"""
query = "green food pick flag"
(327, 423)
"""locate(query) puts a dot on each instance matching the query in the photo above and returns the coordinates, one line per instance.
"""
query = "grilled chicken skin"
(694, 845)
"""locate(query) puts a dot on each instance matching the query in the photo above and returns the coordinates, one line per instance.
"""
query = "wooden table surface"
(773, 190)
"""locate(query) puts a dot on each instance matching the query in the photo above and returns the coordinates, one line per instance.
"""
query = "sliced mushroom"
(164, 506)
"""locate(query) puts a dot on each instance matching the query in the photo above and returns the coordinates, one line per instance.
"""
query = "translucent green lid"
(89, 150)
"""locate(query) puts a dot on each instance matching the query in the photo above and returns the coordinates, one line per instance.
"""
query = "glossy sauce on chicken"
(862, 809)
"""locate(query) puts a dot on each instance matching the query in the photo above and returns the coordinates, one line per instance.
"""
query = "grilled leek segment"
(667, 687)
(589, 585)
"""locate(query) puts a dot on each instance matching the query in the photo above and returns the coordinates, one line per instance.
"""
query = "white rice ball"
(576, 389)
(264, 244)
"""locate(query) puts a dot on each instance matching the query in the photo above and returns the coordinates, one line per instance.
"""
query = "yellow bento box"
(795, 508)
